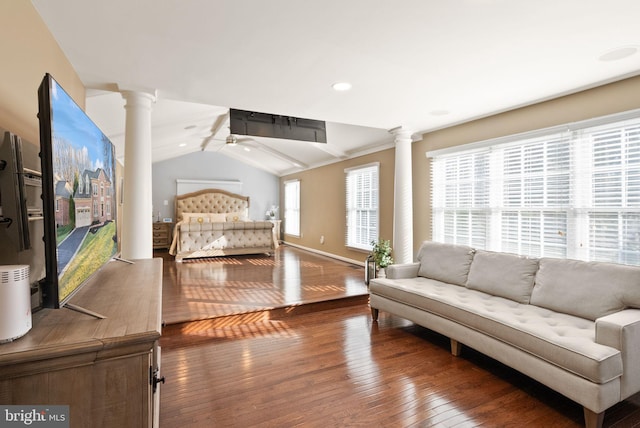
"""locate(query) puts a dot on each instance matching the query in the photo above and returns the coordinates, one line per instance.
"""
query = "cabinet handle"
(155, 380)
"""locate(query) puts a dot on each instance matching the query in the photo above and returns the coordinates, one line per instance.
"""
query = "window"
(362, 206)
(292, 207)
(571, 193)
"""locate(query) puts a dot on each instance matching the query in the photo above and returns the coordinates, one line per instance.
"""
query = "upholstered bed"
(215, 222)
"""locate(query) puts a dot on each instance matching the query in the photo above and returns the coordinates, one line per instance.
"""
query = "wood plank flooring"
(223, 286)
(334, 367)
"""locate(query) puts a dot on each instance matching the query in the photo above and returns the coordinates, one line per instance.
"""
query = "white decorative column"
(403, 198)
(137, 215)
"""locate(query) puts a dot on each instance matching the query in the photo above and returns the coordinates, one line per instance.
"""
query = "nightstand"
(162, 235)
(276, 232)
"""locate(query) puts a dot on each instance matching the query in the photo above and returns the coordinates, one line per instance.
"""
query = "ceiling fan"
(231, 139)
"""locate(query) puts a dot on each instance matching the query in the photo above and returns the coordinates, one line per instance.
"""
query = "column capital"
(401, 133)
(138, 93)
(145, 99)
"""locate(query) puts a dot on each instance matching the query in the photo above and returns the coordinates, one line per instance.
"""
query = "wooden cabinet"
(102, 368)
(162, 235)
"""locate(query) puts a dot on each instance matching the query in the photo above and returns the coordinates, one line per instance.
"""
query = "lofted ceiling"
(419, 64)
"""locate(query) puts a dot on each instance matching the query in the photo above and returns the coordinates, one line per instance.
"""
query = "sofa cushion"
(586, 289)
(501, 274)
(445, 262)
(563, 340)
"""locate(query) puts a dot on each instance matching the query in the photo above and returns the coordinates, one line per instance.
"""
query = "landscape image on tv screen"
(82, 190)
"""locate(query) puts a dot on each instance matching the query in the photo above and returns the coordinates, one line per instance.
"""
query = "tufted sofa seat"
(571, 325)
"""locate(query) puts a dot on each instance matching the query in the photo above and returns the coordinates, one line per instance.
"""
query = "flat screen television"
(78, 192)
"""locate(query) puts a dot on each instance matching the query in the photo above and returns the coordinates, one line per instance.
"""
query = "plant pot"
(382, 273)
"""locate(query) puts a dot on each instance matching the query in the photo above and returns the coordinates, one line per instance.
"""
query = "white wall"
(261, 187)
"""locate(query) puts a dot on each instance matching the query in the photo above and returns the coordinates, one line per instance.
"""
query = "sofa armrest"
(406, 270)
(621, 330)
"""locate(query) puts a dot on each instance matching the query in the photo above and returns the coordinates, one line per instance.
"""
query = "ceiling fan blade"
(215, 128)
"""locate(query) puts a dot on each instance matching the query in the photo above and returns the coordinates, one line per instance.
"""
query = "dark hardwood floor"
(308, 363)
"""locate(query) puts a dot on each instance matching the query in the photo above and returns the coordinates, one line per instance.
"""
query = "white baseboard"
(322, 253)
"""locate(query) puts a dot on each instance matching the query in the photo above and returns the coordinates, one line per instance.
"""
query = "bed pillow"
(236, 216)
(218, 217)
(203, 217)
(186, 217)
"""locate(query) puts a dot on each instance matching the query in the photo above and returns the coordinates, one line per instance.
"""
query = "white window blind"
(292, 207)
(614, 214)
(573, 194)
(362, 206)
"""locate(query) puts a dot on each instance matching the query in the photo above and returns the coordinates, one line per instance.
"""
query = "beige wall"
(27, 52)
(322, 204)
(601, 101)
(322, 189)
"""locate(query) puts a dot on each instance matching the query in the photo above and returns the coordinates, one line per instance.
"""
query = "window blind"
(362, 206)
(572, 194)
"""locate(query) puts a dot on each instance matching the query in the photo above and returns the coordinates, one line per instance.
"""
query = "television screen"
(78, 191)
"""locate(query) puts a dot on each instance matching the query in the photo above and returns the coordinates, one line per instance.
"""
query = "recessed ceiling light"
(341, 86)
(182, 145)
(247, 149)
(618, 53)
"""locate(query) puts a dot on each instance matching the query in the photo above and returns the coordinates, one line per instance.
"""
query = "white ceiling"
(419, 64)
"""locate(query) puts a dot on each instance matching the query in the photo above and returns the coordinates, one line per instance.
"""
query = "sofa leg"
(456, 348)
(374, 314)
(593, 419)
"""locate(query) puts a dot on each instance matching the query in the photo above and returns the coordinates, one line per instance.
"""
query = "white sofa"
(571, 325)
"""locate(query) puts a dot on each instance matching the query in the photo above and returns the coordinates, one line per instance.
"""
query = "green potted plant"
(381, 253)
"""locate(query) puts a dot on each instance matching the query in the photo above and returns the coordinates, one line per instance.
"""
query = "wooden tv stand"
(102, 368)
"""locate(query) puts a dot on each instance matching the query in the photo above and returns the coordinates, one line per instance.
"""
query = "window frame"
(565, 222)
(292, 215)
(362, 210)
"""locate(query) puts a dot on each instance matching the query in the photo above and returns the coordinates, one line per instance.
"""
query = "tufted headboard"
(211, 201)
